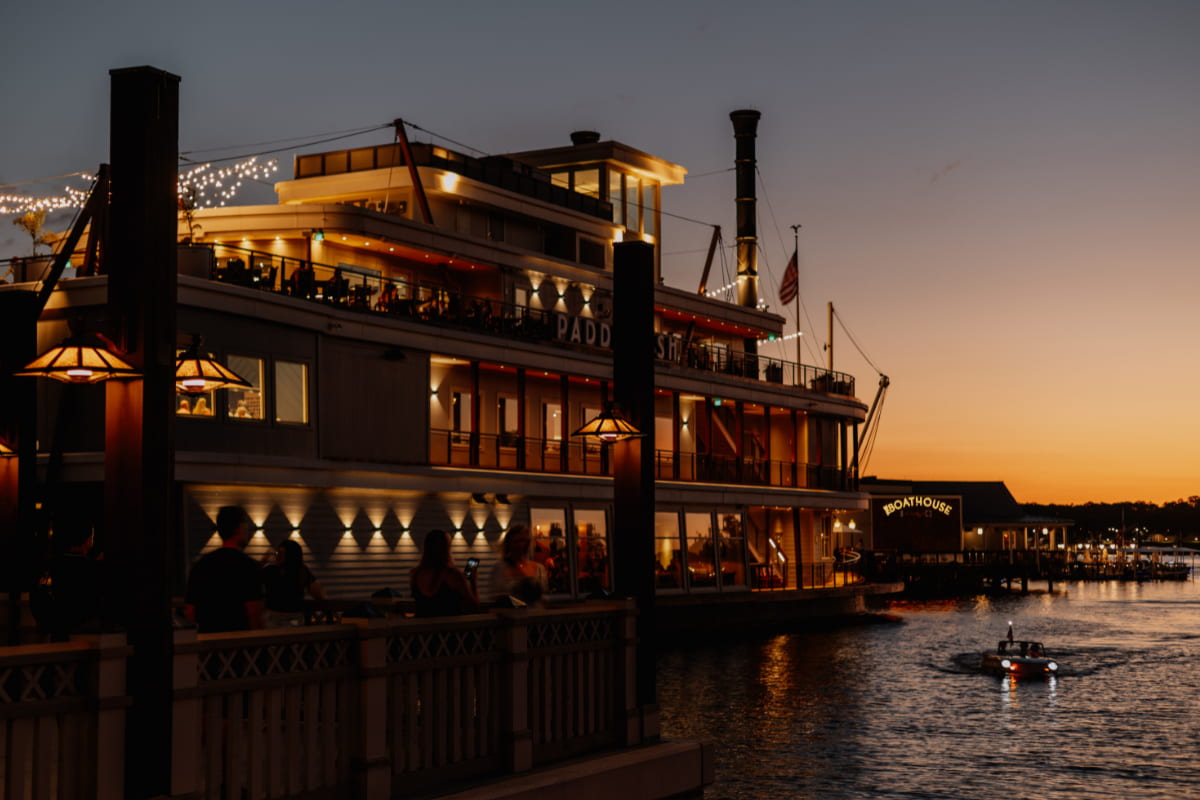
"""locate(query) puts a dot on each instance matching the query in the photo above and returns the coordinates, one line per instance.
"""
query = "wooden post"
(140, 515)
(633, 459)
(186, 717)
(515, 735)
(18, 476)
(627, 685)
(112, 654)
(371, 759)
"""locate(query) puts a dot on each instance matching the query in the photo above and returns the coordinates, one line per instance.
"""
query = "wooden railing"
(62, 719)
(378, 708)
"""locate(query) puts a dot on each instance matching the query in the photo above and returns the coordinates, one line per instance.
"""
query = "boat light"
(1052, 666)
(1006, 663)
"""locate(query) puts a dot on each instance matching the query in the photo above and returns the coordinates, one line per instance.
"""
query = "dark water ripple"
(903, 711)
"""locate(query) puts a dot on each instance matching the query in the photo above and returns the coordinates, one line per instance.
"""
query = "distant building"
(944, 516)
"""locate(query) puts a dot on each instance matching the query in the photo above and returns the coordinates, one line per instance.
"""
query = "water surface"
(901, 710)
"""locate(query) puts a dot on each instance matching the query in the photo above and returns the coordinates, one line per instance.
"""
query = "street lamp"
(607, 427)
(80, 359)
(196, 372)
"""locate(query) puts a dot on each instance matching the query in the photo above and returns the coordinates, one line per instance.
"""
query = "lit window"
(460, 417)
(291, 392)
(246, 403)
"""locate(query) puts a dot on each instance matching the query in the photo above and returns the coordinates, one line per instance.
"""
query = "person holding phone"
(439, 588)
(516, 575)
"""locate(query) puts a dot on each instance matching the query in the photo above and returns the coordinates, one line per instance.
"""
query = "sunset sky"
(1002, 199)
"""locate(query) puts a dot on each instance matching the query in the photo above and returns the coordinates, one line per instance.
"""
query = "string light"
(203, 187)
(23, 203)
(782, 338)
(199, 187)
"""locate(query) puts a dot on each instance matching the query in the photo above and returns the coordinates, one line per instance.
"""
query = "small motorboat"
(1020, 657)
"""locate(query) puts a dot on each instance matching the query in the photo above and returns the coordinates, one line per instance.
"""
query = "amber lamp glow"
(609, 426)
(196, 372)
(79, 359)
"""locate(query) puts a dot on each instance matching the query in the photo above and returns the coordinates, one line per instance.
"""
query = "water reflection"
(903, 710)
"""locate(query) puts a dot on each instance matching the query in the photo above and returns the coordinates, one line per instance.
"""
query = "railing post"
(112, 656)
(371, 759)
(627, 678)
(516, 737)
(185, 717)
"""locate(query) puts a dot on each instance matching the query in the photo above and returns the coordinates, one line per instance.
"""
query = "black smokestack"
(745, 128)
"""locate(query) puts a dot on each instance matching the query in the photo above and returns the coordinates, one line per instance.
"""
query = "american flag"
(791, 282)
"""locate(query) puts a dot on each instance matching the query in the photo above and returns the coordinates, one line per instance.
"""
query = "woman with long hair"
(516, 575)
(286, 580)
(438, 587)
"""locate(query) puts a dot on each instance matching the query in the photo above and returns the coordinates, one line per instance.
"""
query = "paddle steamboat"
(419, 332)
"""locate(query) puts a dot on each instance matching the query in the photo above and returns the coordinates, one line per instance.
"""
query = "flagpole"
(796, 243)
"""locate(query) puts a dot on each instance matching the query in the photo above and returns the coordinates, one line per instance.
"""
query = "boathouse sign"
(597, 333)
(918, 501)
(917, 523)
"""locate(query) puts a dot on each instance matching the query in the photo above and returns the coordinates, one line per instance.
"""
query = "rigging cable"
(182, 157)
(43, 180)
(867, 446)
(347, 132)
(876, 413)
(854, 342)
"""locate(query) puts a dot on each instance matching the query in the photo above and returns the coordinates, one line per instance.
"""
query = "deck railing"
(368, 291)
(574, 457)
(378, 708)
(62, 719)
(371, 292)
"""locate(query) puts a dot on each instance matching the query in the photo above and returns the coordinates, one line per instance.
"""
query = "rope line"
(43, 180)
(853, 341)
(345, 132)
(281, 149)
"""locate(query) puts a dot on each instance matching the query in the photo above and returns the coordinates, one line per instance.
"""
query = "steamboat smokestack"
(745, 128)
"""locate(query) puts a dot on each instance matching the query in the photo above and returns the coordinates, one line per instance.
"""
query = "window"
(592, 542)
(552, 426)
(508, 421)
(615, 195)
(246, 403)
(291, 392)
(648, 207)
(701, 566)
(732, 550)
(550, 547)
(460, 418)
(633, 197)
(591, 252)
(668, 563)
(664, 432)
(587, 181)
(590, 444)
(193, 405)
(495, 227)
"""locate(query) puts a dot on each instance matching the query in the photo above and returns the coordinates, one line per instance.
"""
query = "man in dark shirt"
(224, 590)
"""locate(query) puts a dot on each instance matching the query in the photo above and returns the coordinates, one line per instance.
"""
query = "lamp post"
(628, 427)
